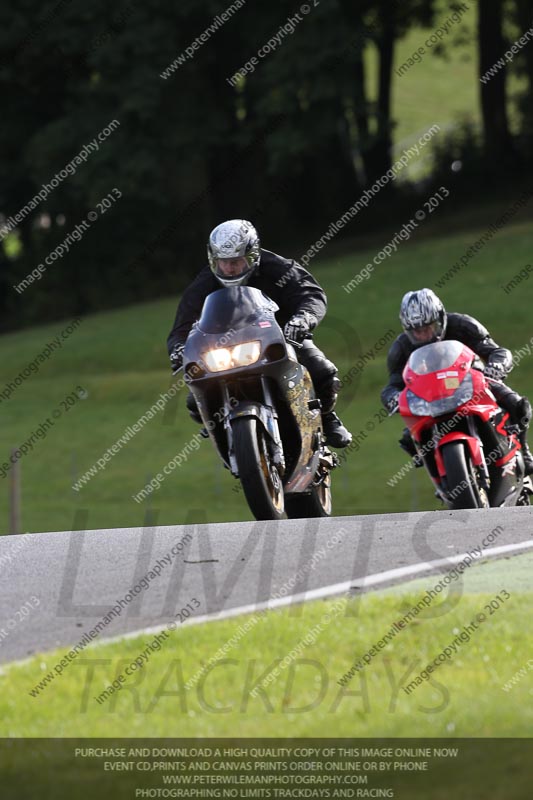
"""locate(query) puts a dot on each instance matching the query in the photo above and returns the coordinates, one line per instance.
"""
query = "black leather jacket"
(461, 327)
(291, 286)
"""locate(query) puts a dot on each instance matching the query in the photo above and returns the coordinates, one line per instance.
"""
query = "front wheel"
(463, 490)
(315, 504)
(260, 479)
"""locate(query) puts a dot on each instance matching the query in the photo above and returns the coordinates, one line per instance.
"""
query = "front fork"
(483, 470)
(229, 433)
(269, 421)
(274, 445)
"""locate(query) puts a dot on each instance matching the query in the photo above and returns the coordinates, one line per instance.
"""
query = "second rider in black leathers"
(425, 320)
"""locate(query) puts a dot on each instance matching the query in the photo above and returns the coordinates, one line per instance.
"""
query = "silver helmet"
(423, 317)
(232, 240)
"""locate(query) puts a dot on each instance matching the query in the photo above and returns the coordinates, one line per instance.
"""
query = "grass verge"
(312, 646)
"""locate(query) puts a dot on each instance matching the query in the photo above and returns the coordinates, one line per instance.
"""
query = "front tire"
(260, 479)
(459, 477)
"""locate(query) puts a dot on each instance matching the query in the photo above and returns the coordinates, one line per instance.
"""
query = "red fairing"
(517, 446)
(483, 402)
(442, 384)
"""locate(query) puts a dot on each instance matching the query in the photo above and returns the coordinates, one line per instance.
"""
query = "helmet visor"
(232, 271)
(232, 267)
(425, 334)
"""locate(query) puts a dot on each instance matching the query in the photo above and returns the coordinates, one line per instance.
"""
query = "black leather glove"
(495, 371)
(299, 326)
(176, 357)
(393, 404)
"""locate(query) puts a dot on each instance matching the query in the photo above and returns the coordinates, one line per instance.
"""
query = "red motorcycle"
(464, 438)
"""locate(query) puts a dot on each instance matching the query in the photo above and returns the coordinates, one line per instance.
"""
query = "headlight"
(228, 358)
(217, 360)
(445, 405)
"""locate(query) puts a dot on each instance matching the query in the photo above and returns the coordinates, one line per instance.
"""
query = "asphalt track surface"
(77, 577)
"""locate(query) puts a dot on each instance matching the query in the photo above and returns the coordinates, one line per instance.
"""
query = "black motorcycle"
(258, 405)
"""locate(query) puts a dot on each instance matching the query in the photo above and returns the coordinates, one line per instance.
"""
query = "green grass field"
(462, 698)
(443, 88)
(119, 358)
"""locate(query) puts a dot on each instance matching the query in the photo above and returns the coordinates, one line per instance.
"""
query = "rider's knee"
(325, 376)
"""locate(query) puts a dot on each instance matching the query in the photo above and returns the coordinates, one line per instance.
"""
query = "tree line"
(289, 144)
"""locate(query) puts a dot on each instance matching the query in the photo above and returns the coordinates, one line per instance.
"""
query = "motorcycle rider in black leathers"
(425, 320)
(236, 259)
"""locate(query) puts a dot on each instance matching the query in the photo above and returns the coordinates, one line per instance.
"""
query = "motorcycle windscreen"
(235, 307)
(435, 357)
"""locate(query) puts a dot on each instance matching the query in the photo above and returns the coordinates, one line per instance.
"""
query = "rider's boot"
(335, 432)
(407, 444)
(195, 414)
